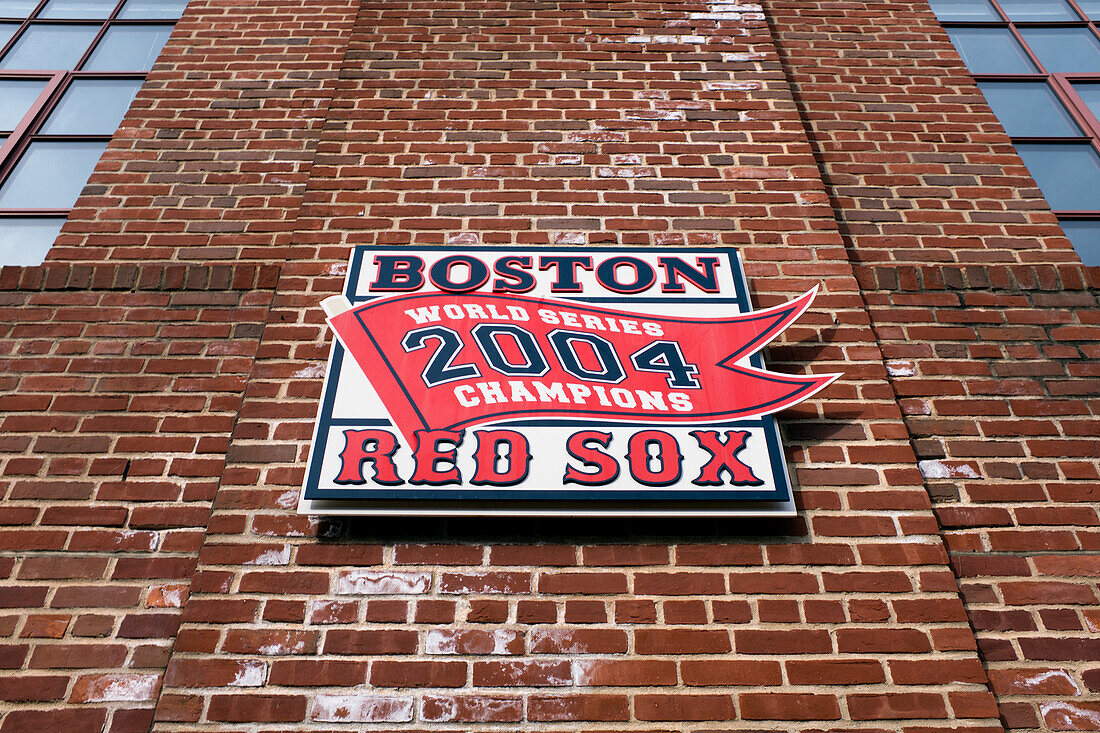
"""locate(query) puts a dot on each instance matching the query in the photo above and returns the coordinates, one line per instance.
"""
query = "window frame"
(58, 81)
(1060, 83)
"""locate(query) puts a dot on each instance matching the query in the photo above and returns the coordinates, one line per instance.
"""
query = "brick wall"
(989, 331)
(158, 405)
(127, 355)
(629, 123)
(120, 388)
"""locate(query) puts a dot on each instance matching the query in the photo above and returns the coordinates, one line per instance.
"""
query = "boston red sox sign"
(551, 381)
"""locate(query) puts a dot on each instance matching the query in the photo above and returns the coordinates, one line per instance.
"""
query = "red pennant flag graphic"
(446, 361)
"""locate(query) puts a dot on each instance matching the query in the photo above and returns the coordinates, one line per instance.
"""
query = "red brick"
(578, 707)
(896, 706)
(680, 707)
(788, 706)
(242, 708)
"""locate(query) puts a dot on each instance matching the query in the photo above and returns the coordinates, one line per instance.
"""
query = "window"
(69, 70)
(1038, 64)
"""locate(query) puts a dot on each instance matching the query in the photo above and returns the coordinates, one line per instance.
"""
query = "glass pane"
(1064, 50)
(1069, 174)
(7, 30)
(50, 175)
(1038, 10)
(964, 10)
(92, 107)
(49, 47)
(1091, 8)
(990, 51)
(1084, 235)
(128, 48)
(16, 97)
(1028, 109)
(25, 240)
(168, 9)
(1090, 95)
(77, 9)
(16, 8)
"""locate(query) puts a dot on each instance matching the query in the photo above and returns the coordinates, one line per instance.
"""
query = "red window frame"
(58, 81)
(1060, 83)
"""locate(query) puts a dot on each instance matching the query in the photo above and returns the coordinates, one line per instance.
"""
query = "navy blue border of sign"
(781, 492)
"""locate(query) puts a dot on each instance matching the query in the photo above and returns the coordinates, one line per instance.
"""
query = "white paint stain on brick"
(463, 238)
(1067, 716)
(630, 172)
(743, 56)
(376, 583)
(271, 650)
(280, 556)
(128, 534)
(570, 238)
(289, 645)
(120, 687)
(899, 368)
(733, 86)
(655, 114)
(362, 709)
(488, 642)
(310, 372)
(337, 268)
(288, 498)
(582, 672)
(166, 596)
(939, 469)
(249, 674)
(1036, 680)
(440, 642)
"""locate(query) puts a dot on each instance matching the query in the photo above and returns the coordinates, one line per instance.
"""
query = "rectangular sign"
(565, 381)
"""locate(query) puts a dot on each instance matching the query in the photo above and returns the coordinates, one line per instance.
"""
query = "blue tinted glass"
(1091, 8)
(964, 10)
(1064, 50)
(1090, 95)
(49, 47)
(25, 240)
(128, 48)
(990, 51)
(1038, 10)
(1084, 235)
(16, 8)
(7, 30)
(92, 107)
(16, 97)
(1068, 174)
(77, 9)
(1028, 109)
(140, 9)
(50, 175)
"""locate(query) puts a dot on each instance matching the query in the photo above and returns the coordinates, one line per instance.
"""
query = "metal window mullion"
(1080, 111)
(1000, 11)
(1079, 10)
(1027, 49)
(20, 137)
(22, 26)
